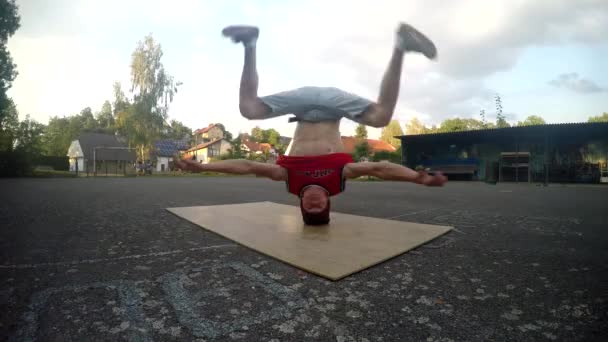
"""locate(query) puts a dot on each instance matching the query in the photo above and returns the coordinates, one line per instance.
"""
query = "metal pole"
(94, 159)
(516, 158)
(546, 157)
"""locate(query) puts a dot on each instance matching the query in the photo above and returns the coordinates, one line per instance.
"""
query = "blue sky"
(544, 58)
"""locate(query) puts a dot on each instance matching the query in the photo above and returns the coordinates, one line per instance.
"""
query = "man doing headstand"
(317, 167)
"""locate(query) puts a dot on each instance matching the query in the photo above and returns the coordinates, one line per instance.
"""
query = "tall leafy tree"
(415, 126)
(236, 151)
(257, 134)
(29, 137)
(105, 117)
(532, 120)
(178, 130)
(501, 120)
(272, 136)
(121, 103)
(9, 124)
(599, 118)
(389, 133)
(9, 24)
(362, 151)
(88, 120)
(153, 90)
(58, 137)
(361, 132)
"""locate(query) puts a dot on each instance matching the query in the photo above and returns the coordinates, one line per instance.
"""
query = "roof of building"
(90, 141)
(169, 147)
(374, 145)
(205, 129)
(204, 145)
(251, 145)
(565, 127)
(284, 140)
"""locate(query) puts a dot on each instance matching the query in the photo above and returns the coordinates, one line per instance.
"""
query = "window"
(214, 151)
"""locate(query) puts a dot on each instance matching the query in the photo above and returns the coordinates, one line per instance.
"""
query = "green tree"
(280, 148)
(361, 132)
(361, 151)
(257, 134)
(88, 120)
(599, 118)
(9, 124)
(57, 136)
(501, 120)
(178, 130)
(459, 125)
(121, 103)
(272, 136)
(532, 120)
(9, 24)
(105, 117)
(153, 90)
(415, 126)
(29, 137)
(390, 131)
(236, 152)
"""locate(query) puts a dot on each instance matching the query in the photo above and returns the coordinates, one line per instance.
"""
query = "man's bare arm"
(391, 171)
(235, 166)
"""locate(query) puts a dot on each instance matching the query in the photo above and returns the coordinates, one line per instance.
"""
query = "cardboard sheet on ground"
(349, 244)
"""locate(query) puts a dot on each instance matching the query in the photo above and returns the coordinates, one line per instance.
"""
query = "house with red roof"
(374, 145)
(203, 152)
(252, 147)
(207, 134)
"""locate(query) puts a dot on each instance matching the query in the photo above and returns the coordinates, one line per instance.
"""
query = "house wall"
(201, 156)
(214, 133)
(225, 146)
(74, 150)
(561, 156)
(160, 161)
(77, 162)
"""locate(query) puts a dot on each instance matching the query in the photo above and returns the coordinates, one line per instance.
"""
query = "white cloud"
(62, 75)
(66, 64)
(575, 83)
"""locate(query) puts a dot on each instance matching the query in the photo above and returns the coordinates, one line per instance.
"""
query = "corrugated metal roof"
(506, 129)
(88, 141)
(169, 147)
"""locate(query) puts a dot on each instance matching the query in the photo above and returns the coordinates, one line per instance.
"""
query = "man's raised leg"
(408, 39)
(250, 104)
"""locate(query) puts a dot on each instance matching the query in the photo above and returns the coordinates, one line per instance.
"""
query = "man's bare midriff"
(316, 138)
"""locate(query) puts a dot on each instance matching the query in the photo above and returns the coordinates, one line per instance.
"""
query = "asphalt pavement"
(88, 259)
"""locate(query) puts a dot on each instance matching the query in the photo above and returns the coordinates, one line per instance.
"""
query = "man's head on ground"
(315, 205)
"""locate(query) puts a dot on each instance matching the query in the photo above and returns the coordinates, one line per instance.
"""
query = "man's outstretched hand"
(187, 165)
(438, 179)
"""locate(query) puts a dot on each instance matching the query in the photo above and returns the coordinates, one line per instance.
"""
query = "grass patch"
(53, 174)
(195, 174)
(367, 179)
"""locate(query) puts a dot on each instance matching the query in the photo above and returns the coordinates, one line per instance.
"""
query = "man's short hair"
(316, 219)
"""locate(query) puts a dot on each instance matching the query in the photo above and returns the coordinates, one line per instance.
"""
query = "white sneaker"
(241, 33)
(410, 39)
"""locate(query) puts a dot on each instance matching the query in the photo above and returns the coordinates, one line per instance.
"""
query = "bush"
(15, 163)
(53, 174)
(59, 163)
(393, 157)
